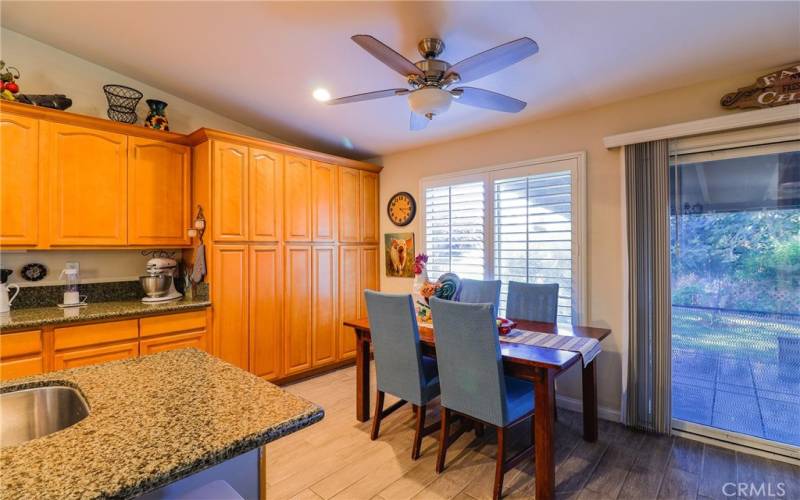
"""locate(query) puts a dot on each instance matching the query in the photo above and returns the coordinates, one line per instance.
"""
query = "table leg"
(590, 402)
(362, 378)
(544, 435)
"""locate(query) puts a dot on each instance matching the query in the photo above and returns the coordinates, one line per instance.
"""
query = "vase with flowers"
(423, 289)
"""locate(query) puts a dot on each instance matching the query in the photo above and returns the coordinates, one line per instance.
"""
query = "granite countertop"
(36, 317)
(152, 420)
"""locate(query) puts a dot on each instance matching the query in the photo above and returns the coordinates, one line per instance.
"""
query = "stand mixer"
(159, 282)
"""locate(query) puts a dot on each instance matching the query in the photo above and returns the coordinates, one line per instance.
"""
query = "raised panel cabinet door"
(266, 311)
(349, 203)
(159, 199)
(323, 201)
(95, 355)
(174, 341)
(349, 292)
(323, 309)
(229, 298)
(297, 199)
(19, 181)
(88, 185)
(266, 195)
(297, 310)
(370, 279)
(229, 191)
(369, 207)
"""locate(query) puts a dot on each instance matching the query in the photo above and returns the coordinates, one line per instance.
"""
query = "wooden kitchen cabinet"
(298, 309)
(95, 355)
(265, 195)
(349, 293)
(159, 200)
(230, 191)
(266, 311)
(370, 279)
(349, 205)
(369, 207)
(93, 334)
(87, 178)
(229, 294)
(323, 316)
(19, 188)
(21, 354)
(323, 201)
(297, 199)
(153, 345)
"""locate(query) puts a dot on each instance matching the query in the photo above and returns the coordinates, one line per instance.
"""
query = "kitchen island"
(152, 421)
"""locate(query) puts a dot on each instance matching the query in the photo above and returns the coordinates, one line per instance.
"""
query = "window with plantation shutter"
(454, 230)
(522, 222)
(533, 234)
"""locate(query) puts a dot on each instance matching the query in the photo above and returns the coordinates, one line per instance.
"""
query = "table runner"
(588, 348)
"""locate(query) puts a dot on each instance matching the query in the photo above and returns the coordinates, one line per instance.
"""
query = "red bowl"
(504, 326)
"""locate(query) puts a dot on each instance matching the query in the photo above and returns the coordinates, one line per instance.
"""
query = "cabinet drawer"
(20, 344)
(170, 342)
(172, 323)
(21, 367)
(95, 355)
(97, 333)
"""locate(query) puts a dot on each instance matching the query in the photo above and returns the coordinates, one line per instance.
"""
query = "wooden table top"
(522, 353)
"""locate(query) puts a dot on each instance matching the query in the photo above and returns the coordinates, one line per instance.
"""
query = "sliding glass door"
(735, 227)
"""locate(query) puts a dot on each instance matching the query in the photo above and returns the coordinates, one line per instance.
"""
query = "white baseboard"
(577, 405)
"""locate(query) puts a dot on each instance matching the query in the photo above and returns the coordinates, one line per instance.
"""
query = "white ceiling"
(258, 62)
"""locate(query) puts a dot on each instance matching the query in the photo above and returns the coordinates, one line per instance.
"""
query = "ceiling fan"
(431, 80)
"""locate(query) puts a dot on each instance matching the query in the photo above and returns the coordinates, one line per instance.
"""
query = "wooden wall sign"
(775, 89)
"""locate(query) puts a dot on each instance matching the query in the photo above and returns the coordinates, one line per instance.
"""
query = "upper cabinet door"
(266, 195)
(19, 180)
(87, 175)
(266, 311)
(369, 207)
(349, 203)
(159, 211)
(229, 211)
(323, 201)
(297, 195)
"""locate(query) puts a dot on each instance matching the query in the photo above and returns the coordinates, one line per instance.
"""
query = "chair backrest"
(395, 342)
(531, 301)
(470, 363)
(480, 292)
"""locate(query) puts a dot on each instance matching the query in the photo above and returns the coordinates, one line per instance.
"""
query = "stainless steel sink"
(32, 413)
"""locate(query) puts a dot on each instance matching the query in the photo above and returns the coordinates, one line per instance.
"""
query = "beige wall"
(582, 131)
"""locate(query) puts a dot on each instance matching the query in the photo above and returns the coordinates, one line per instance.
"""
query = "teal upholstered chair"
(401, 368)
(480, 292)
(472, 380)
(533, 302)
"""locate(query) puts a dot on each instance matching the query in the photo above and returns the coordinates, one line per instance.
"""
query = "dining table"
(540, 365)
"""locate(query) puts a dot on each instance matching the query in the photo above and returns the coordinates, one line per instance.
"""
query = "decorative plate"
(401, 208)
(33, 272)
(504, 326)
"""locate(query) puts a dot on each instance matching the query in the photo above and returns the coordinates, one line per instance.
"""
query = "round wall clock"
(401, 208)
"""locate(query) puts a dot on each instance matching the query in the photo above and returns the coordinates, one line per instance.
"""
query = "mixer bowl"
(156, 285)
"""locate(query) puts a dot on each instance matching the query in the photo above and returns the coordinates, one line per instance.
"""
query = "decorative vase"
(157, 118)
(420, 304)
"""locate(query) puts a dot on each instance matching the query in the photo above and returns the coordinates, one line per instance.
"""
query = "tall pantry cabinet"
(291, 243)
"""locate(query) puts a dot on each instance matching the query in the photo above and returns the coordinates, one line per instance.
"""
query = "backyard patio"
(726, 372)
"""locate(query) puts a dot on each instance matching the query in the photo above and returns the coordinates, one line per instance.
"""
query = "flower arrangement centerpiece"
(446, 287)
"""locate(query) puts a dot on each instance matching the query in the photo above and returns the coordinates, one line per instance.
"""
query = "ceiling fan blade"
(387, 55)
(492, 60)
(481, 98)
(418, 122)
(378, 94)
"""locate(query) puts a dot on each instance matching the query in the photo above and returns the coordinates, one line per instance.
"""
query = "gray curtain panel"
(649, 307)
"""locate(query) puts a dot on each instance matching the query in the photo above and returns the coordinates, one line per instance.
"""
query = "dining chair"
(532, 301)
(480, 292)
(401, 368)
(472, 380)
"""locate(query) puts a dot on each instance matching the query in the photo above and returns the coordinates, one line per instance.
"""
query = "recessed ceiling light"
(322, 95)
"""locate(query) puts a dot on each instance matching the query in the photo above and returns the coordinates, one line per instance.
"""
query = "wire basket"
(122, 102)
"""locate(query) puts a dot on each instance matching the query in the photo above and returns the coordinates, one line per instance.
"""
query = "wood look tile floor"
(336, 459)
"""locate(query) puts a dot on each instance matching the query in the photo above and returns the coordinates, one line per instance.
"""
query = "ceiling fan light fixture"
(430, 101)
